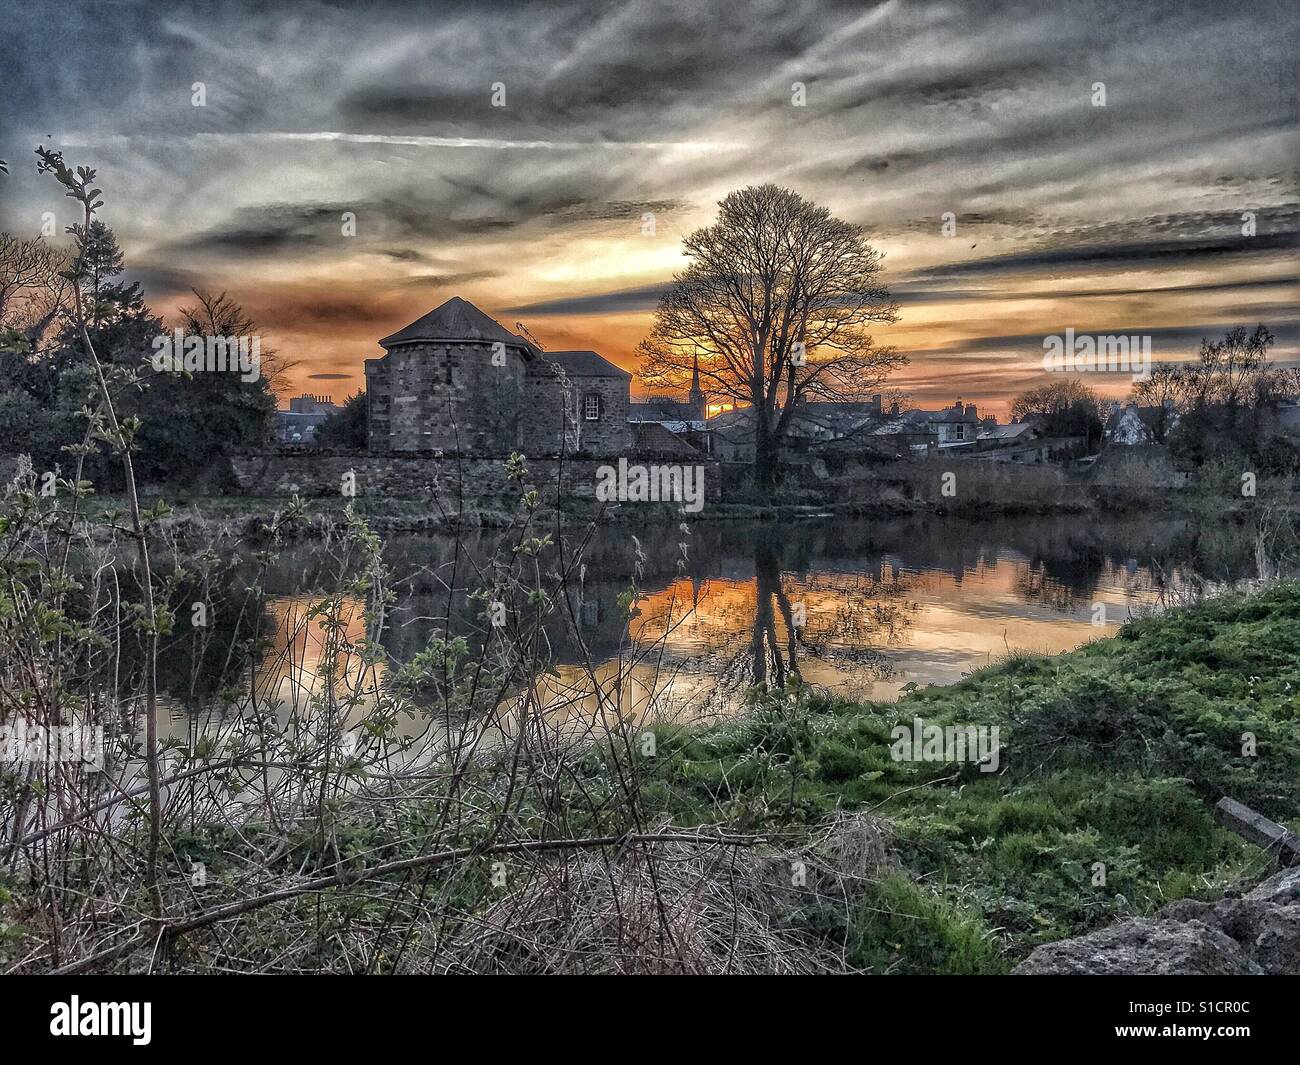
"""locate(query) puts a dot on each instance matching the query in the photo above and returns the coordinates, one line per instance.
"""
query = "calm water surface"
(876, 607)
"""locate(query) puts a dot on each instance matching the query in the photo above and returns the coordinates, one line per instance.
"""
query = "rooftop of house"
(958, 412)
(581, 364)
(654, 437)
(673, 425)
(457, 319)
(1014, 431)
(662, 408)
(835, 415)
(1147, 415)
(908, 421)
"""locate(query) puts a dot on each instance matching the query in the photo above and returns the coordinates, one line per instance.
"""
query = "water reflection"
(863, 608)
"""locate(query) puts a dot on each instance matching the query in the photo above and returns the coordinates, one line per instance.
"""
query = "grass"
(1112, 754)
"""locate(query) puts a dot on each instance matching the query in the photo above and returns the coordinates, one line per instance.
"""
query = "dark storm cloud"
(616, 211)
(404, 255)
(645, 298)
(437, 280)
(948, 84)
(472, 209)
(260, 230)
(163, 282)
(613, 110)
(1134, 254)
(616, 71)
(916, 292)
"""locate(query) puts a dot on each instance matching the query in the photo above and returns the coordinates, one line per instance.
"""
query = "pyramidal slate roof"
(457, 319)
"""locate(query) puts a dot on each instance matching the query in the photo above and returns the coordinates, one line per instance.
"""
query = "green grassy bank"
(1113, 754)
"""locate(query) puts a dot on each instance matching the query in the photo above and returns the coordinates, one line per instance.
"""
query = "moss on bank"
(1112, 754)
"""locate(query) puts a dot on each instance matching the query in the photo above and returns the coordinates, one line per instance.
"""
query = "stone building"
(458, 382)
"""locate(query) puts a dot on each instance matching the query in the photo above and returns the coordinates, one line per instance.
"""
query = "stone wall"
(543, 427)
(445, 396)
(321, 472)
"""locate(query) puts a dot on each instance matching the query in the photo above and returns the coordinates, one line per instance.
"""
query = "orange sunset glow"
(339, 184)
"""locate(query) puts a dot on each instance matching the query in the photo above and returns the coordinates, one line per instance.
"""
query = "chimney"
(970, 409)
(893, 408)
(875, 402)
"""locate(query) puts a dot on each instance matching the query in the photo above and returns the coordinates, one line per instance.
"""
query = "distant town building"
(298, 424)
(687, 419)
(813, 426)
(957, 426)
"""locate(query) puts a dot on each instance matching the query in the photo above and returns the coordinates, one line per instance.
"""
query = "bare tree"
(219, 315)
(33, 289)
(1232, 372)
(1064, 408)
(773, 310)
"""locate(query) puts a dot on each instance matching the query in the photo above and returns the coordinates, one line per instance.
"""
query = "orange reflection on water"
(292, 666)
(867, 633)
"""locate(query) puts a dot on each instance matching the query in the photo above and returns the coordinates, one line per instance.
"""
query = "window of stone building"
(591, 406)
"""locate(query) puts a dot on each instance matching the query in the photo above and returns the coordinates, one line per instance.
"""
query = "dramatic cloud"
(348, 166)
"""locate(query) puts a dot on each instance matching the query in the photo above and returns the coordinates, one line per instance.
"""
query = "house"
(904, 432)
(299, 423)
(958, 425)
(1000, 436)
(955, 426)
(457, 381)
(651, 438)
(1131, 425)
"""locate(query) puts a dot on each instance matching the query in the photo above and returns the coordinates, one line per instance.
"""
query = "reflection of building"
(459, 382)
(299, 423)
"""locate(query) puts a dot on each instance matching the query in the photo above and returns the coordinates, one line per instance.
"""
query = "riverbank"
(1101, 807)
(202, 519)
(790, 839)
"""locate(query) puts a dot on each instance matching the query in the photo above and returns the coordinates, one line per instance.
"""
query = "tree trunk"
(767, 456)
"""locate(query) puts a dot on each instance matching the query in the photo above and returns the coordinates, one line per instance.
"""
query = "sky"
(1128, 218)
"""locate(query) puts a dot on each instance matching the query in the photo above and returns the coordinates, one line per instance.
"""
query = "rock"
(1257, 934)
(1143, 947)
(1282, 888)
(1277, 941)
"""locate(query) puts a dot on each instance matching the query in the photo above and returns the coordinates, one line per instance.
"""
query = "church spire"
(696, 395)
